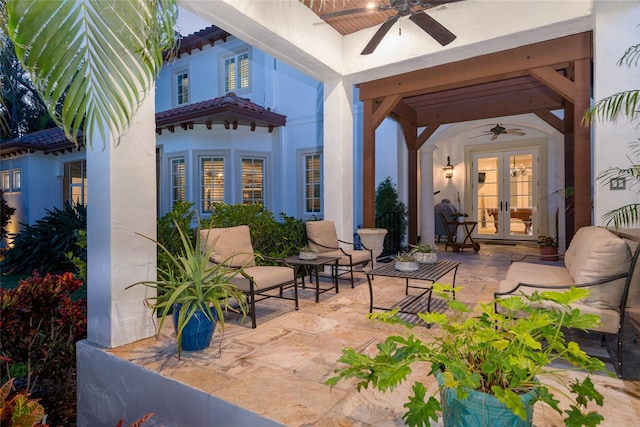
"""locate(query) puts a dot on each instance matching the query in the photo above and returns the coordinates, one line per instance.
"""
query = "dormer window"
(236, 72)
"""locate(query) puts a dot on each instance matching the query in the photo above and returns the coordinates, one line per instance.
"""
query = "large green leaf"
(100, 57)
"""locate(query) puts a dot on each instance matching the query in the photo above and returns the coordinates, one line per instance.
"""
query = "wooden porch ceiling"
(519, 95)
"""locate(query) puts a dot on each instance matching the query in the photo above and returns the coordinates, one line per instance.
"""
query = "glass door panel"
(505, 195)
(520, 194)
(487, 194)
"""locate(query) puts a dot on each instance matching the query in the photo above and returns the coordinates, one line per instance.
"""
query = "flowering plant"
(547, 241)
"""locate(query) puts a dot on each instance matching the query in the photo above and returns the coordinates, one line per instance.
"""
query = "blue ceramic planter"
(198, 331)
(481, 409)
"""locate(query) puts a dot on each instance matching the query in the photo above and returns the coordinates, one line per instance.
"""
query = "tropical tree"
(22, 109)
(611, 108)
(103, 54)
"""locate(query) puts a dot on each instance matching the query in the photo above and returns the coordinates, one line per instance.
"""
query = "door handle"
(500, 206)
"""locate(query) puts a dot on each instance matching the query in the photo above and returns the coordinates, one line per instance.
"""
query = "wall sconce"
(448, 170)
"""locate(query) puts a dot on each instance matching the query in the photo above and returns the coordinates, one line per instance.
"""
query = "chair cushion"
(600, 254)
(534, 274)
(323, 233)
(264, 277)
(357, 257)
(231, 246)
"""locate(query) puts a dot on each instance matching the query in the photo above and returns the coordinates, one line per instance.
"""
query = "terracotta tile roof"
(198, 40)
(50, 141)
(229, 110)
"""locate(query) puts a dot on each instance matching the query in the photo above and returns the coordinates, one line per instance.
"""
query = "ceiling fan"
(498, 130)
(412, 8)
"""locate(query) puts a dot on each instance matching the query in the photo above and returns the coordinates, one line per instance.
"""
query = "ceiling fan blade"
(379, 35)
(494, 137)
(515, 132)
(433, 28)
(347, 12)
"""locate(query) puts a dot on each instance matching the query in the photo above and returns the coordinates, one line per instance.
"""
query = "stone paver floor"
(278, 369)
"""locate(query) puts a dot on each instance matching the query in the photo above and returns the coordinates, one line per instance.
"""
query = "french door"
(505, 194)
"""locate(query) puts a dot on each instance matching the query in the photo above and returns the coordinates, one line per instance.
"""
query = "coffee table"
(317, 263)
(427, 272)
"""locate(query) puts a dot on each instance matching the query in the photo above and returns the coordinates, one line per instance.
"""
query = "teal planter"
(198, 331)
(481, 409)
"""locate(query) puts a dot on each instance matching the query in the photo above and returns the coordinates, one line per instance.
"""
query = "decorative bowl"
(308, 255)
(426, 257)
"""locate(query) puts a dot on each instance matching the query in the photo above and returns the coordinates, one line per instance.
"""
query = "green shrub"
(169, 236)
(44, 246)
(271, 237)
(5, 215)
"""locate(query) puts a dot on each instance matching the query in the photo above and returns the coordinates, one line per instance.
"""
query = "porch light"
(448, 170)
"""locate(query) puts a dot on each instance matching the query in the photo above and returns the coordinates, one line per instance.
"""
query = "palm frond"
(631, 56)
(101, 57)
(610, 108)
(626, 216)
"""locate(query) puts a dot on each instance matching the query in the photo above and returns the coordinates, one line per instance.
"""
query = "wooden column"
(368, 166)
(582, 148)
(410, 132)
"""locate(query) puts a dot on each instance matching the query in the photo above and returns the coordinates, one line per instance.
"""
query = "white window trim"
(6, 175)
(196, 177)
(167, 192)
(16, 188)
(302, 212)
(231, 54)
(174, 86)
(266, 185)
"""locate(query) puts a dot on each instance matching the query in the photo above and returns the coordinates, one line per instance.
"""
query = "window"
(182, 88)
(236, 72)
(6, 183)
(212, 181)
(15, 174)
(178, 180)
(252, 181)
(312, 183)
(74, 182)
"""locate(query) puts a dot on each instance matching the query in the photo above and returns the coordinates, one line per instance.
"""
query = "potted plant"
(197, 292)
(406, 261)
(425, 254)
(548, 248)
(485, 358)
(307, 252)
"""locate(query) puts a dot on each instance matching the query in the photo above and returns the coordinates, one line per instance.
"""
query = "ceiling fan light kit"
(498, 130)
(414, 9)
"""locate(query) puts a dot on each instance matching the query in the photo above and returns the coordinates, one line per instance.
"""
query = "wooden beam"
(481, 69)
(384, 109)
(551, 119)
(582, 151)
(556, 81)
(426, 134)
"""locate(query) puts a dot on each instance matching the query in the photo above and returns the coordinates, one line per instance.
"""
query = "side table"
(317, 263)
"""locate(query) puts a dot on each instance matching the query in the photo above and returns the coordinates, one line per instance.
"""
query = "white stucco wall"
(616, 30)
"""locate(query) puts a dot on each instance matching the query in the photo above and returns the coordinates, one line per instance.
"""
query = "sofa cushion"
(357, 256)
(600, 254)
(231, 246)
(322, 235)
(265, 278)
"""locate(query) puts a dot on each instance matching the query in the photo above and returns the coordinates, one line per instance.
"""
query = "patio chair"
(232, 247)
(323, 238)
